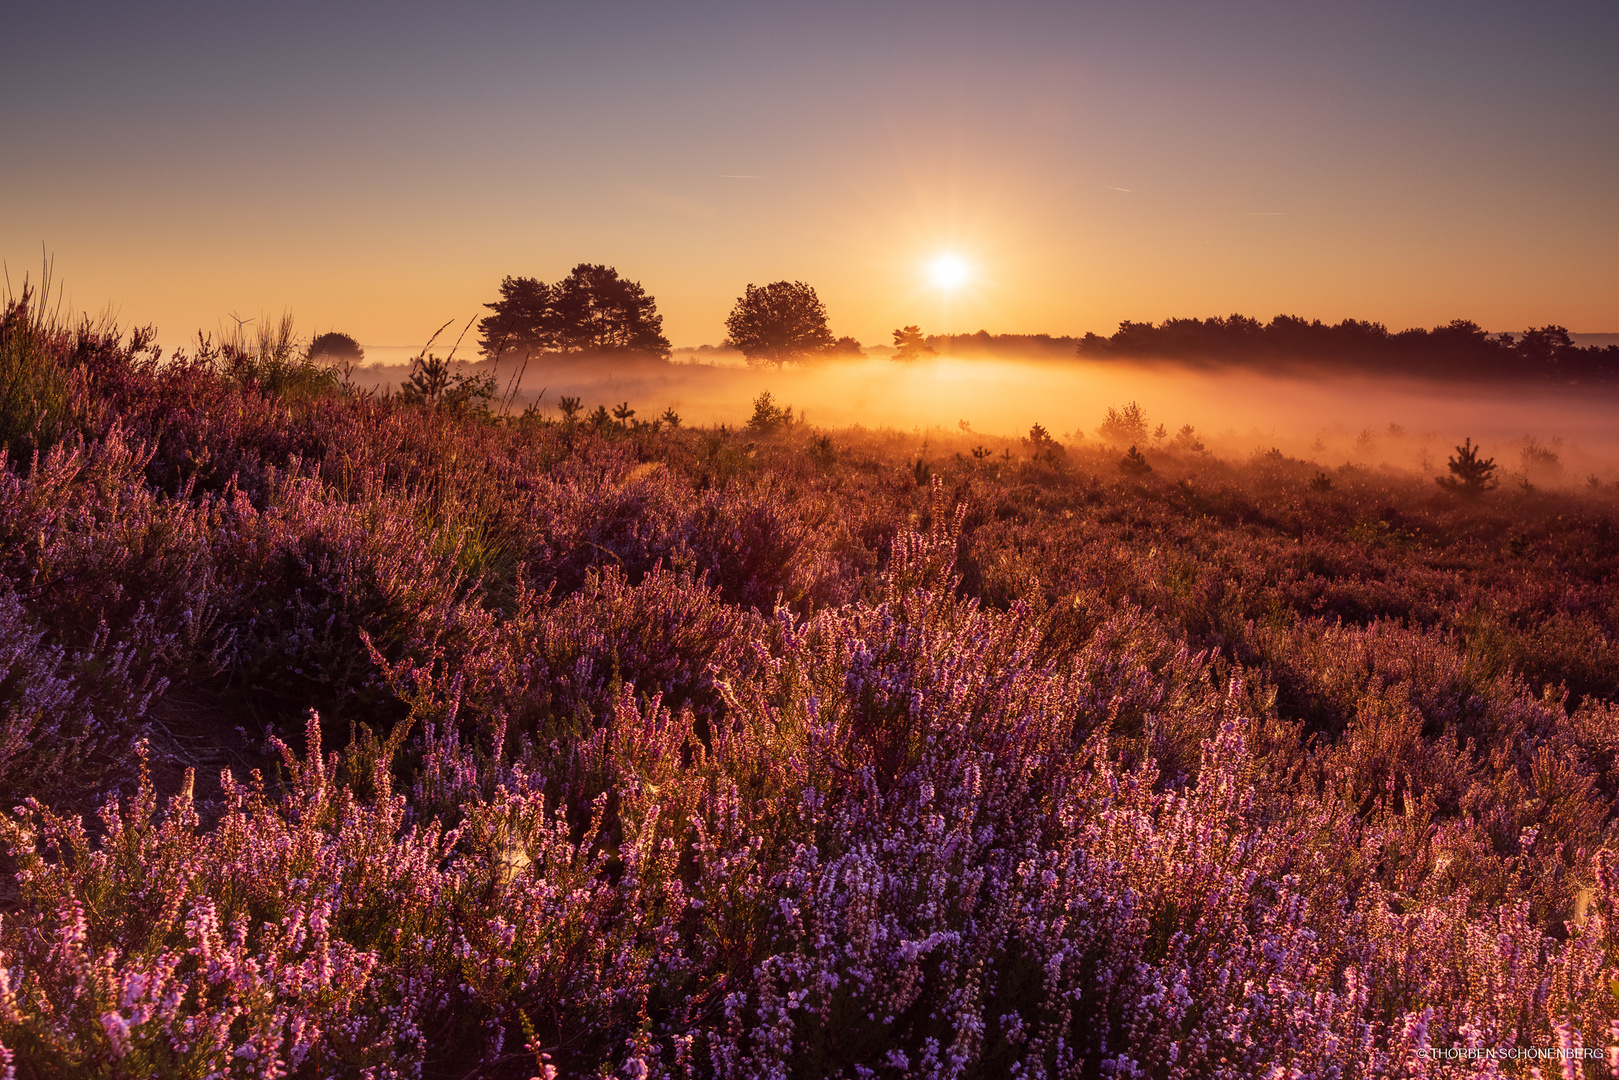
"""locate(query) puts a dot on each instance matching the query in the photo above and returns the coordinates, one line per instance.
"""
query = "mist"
(1555, 436)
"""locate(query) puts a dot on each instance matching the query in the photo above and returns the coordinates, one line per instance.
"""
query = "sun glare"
(949, 271)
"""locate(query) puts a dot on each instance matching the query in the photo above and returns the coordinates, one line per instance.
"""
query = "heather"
(354, 735)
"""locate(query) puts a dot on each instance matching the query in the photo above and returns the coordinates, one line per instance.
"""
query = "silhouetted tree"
(1544, 349)
(523, 320)
(431, 384)
(775, 323)
(597, 311)
(1042, 447)
(592, 310)
(846, 346)
(909, 344)
(1470, 475)
(429, 378)
(1135, 463)
(768, 416)
(336, 347)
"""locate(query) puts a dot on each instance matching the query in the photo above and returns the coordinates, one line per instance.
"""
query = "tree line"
(1459, 349)
(596, 311)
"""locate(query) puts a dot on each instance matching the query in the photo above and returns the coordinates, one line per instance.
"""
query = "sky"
(378, 168)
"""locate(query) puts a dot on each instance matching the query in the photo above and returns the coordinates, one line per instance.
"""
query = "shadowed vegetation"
(431, 740)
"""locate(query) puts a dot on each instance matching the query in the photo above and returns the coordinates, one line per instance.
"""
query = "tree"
(1470, 476)
(431, 384)
(847, 346)
(1135, 463)
(592, 310)
(1545, 348)
(523, 319)
(1126, 425)
(1186, 440)
(909, 344)
(1042, 447)
(599, 312)
(779, 322)
(336, 347)
(768, 416)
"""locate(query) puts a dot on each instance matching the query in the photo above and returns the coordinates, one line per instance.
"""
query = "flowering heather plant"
(107, 592)
(673, 756)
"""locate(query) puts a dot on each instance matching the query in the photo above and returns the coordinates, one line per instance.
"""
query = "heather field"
(345, 734)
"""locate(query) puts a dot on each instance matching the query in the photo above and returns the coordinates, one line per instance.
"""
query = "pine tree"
(1470, 476)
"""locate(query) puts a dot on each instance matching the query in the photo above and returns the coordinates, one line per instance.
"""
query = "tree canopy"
(592, 310)
(909, 344)
(523, 321)
(598, 311)
(335, 346)
(782, 321)
(1458, 349)
(1470, 474)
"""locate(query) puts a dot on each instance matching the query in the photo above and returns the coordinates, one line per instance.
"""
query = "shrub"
(768, 416)
(1539, 459)
(823, 453)
(1126, 425)
(1470, 475)
(1134, 463)
(430, 383)
(1043, 448)
(1186, 441)
(271, 363)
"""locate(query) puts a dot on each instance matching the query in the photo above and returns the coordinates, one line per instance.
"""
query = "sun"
(949, 271)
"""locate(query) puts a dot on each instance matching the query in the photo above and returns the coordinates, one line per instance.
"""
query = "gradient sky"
(378, 168)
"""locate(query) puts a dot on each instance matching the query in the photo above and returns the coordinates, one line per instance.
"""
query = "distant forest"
(1458, 350)
(984, 343)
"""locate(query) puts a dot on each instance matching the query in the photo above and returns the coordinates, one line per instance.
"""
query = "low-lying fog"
(1558, 436)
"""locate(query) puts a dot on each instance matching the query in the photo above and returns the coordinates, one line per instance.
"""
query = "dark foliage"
(1134, 463)
(1458, 350)
(1012, 346)
(769, 416)
(1470, 475)
(909, 344)
(524, 321)
(336, 348)
(782, 321)
(592, 310)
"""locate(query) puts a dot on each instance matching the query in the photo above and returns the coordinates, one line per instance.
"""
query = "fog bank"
(1406, 424)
